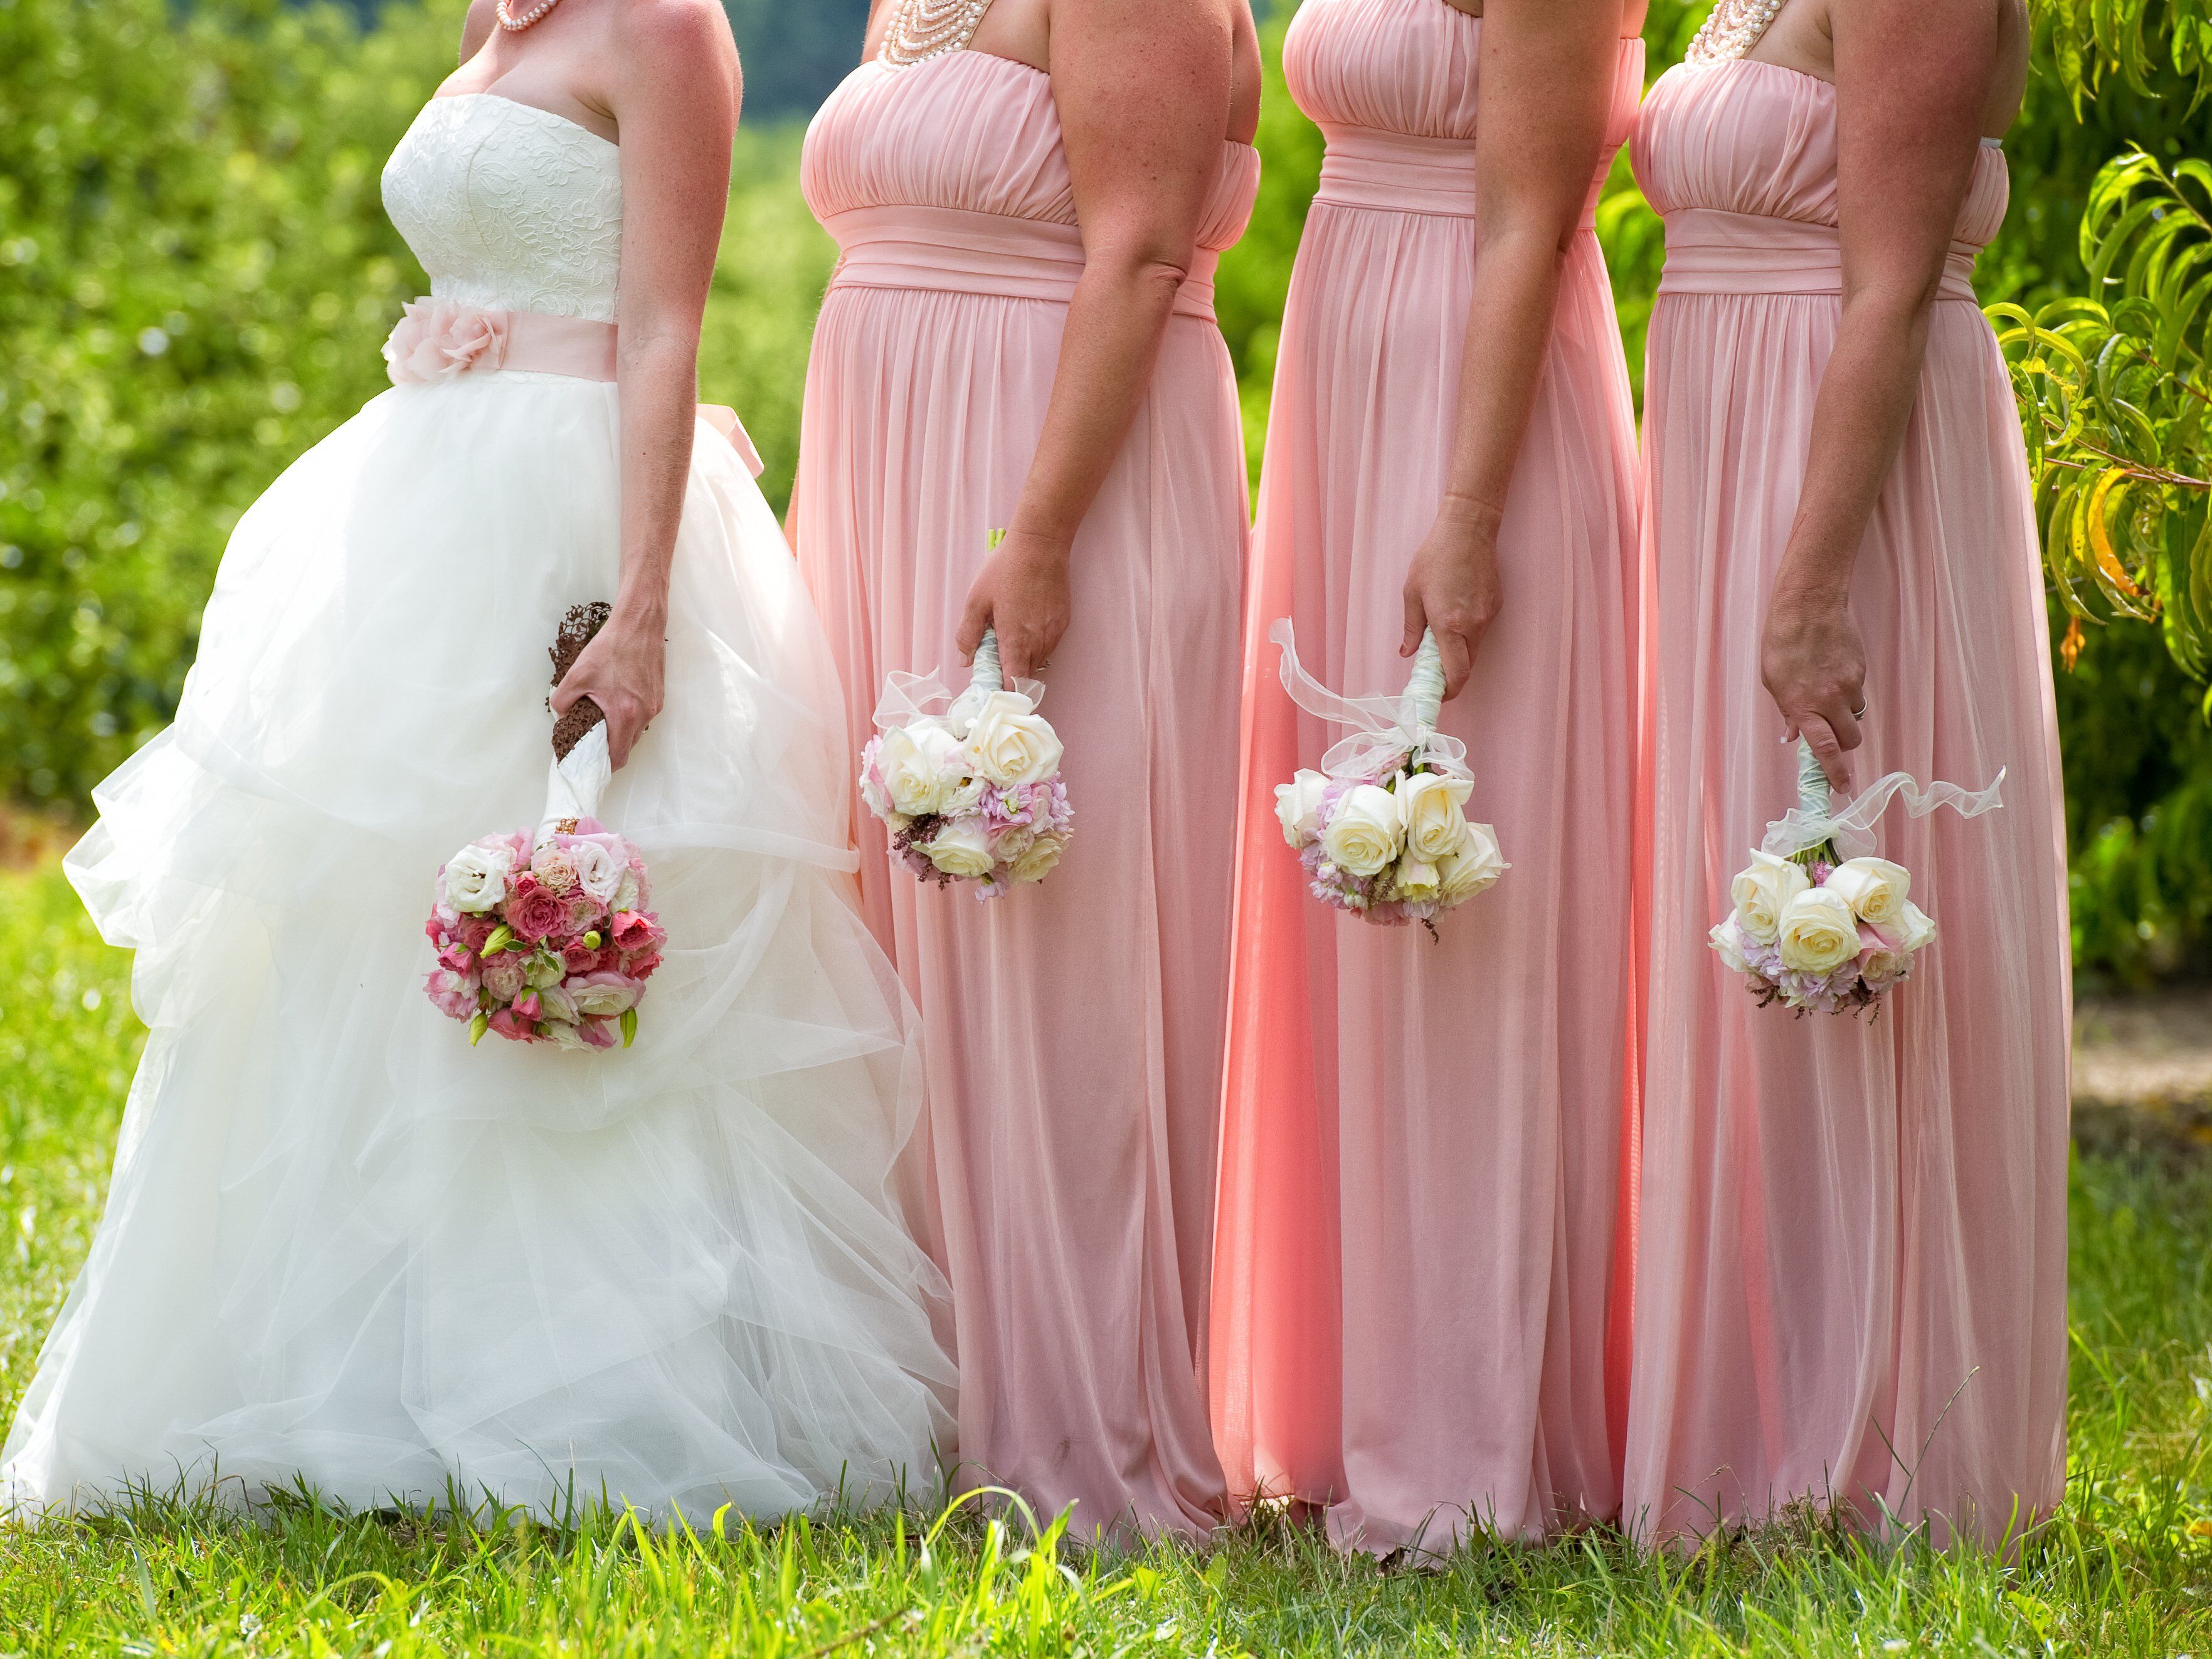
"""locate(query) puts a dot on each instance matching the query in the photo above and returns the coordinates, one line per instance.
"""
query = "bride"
(343, 1248)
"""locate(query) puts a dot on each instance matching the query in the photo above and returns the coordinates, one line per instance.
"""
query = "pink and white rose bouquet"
(1819, 924)
(972, 794)
(1381, 830)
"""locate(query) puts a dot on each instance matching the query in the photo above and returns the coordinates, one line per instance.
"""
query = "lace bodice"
(509, 206)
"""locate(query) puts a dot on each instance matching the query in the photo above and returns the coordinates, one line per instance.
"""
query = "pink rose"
(1882, 960)
(512, 1026)
(453, 994)
(585, 913)
(503, 976)
(529, 1007)
(458, 958)
(634, 931)
(579, 957)
(641, 965)
(436, 339)
(534, 910)
(555, 869)
(471, 932)
(600, 1033)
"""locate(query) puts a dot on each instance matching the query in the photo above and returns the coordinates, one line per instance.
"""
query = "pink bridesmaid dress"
(1074, 1028)
(1852, 1282)
(1420, 1149)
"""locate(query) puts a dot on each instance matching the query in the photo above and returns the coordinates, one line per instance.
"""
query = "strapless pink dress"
(1074, 1029)
(1852, 1274)
(1420, 1149)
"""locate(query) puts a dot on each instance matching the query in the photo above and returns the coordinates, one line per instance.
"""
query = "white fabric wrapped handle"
(1386, 733)
(1424, 686)
(574, 786)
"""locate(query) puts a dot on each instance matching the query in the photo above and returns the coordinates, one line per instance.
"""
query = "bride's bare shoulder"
(672, 36)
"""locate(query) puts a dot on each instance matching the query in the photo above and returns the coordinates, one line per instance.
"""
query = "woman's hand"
(1815, 666)
(622, 670)
(1022, 594)
(1452, 587)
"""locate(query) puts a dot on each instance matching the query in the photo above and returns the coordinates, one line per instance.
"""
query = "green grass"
(2126, 1569)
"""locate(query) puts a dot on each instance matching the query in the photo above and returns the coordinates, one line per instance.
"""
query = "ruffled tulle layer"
(342, 1245)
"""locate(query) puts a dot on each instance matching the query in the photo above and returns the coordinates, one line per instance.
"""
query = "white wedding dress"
(341, 1246)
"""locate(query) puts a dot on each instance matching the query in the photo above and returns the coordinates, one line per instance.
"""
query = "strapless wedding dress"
(342, 1246)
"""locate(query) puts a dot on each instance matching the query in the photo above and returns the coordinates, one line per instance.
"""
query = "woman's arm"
(672, 86)
(1547, 75)
(1143, 90)
(1912, 80)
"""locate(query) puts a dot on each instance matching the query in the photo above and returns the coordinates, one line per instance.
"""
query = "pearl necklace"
(515, 25)
(923, 29)
(1732, 29)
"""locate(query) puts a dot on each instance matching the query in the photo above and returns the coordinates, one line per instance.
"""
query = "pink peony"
(534, 910)
(579, 957)
(453, 994)
(512, 1026)
(459, 958)
(529, 1007)
(641, 965)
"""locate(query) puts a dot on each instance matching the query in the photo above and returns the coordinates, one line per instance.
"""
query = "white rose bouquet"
(1381, 828)
(973, 793)
(1821, 925)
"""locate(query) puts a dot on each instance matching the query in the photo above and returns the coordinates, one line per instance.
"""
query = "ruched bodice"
(1392, 85)
(1721, 144)
(509, 207)
(952, 173)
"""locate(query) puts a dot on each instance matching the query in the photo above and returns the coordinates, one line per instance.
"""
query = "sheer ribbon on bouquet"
(906, 696)
(1388, 733)
(1849, 828)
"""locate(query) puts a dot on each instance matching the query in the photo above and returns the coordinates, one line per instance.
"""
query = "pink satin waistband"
(437, 339)
(952, 251)
(1400, 173)
(1711, 250)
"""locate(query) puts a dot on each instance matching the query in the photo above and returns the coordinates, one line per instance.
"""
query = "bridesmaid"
(1420, 1153)
(1852, 1283)
(1029, 197)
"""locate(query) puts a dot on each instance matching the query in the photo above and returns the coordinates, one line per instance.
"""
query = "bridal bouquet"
(973, 793)
(546, 937)
(1821, 925)
(1381, 828)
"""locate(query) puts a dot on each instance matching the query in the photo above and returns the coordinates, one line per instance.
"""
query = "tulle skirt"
(1415, 1257)
(1075, 1025)
(1852, 1277)
(343, 1247)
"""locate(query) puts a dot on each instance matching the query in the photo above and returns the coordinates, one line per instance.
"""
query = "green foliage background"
(196, 274)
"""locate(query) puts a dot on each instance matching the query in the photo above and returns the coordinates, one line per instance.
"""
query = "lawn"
(2126, 1568)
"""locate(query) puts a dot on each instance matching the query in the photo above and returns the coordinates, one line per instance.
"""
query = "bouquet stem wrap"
(1815, 821)
(1386, 732)
(574, 786)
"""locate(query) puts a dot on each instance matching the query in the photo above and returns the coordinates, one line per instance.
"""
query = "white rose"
(1819, 933)
(1417, 880)
(918, 762)
(1297, 806)
(1916, 929)
(1763, 892)
(1036, 863)
(476, 876)
(1365, 833)
(598, 871)
(1873, 888)
(1727, 939)
(961, 848)
(604, 996)
(1477, 864)
(1881, 963)
(1008, 744)
(1433, 804)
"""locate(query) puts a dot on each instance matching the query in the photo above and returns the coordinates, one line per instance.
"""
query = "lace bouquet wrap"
(1381, 828)
(545, 935)
(974, 792)
(1821, 925)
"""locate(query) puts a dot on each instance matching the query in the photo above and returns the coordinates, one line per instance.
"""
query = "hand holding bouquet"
(1821, 925)
(546, 937)
(973, 793)
(1382, 830)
